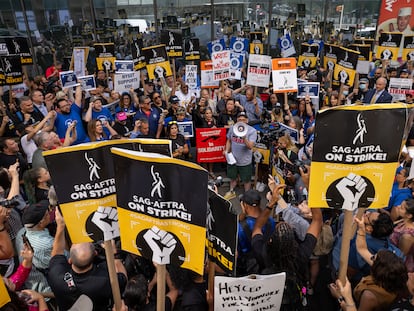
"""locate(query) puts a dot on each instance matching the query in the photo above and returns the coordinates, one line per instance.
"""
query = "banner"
(123, 82)
(88, 83)
(192, 49)
(221, 241)
(258, 70)
(91, 185)
(138, 57)
(191, 76)
(19, 46)
(164, 218)
(390, 12)
(158, 65)
(389, 45)
(68, 79)
(249, 293)
(173, 43)
(122, 66)
(284, 75)
(207, 81)
(221, 65)
(286, 46)
(352, 164)
(310, 89)
(12, 68)
(210, 143)
(408, 48)
(345, 68)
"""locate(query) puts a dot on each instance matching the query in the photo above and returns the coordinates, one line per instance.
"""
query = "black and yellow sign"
(331, 52)
(256, 37)
(83, 177)
(408, 48)
(19, 46)
(156, 58)
(221, 241)
(363, 49)
(137, 55)
(105, 56)
(389, 45)
(256, 48)
(2, 76)
(345, 68)
(353, 165)
(173, 43)
(192, 49)
(4, 294)
(162, 205)
(12, 68)
(309, 55)
(364, 41)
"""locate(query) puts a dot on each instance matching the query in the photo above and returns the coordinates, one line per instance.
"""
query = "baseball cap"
(34, 213)
(180, 110)
(174, 99)
(121, 116)
(251, 197)
(242, 114)
(363, 80)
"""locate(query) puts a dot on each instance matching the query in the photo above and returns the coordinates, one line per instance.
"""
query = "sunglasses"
(172, 122)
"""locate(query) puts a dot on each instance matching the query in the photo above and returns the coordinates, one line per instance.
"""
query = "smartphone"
(26, 241)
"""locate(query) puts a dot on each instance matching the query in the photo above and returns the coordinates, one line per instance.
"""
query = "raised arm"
(59, 243)
(78, 96)
(361, 242)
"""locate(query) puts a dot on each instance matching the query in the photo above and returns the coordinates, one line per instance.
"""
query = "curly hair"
(389, 272)
(282, 249)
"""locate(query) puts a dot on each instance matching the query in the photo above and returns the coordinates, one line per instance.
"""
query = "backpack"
(247, 263)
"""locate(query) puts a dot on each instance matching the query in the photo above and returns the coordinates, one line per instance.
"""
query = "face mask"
(362, 86)
(345, 93)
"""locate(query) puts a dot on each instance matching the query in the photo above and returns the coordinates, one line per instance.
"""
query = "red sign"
(210, 143)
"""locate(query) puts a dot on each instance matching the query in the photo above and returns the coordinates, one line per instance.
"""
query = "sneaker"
(230, 195)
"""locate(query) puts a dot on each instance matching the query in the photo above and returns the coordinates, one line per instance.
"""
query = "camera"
(215, 182)
(13, 202)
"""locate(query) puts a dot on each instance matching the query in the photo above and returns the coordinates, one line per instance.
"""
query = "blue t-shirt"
(64, 120)
(103, 115)
(243, 242)
(153, 119)
(398, 196)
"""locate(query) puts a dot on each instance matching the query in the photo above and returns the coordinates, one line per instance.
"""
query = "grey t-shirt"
(242, 154)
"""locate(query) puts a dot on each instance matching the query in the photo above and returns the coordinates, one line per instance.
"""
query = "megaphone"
(240, 129)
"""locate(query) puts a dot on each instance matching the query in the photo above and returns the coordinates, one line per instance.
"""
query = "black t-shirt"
(177, 143)
(94, 283)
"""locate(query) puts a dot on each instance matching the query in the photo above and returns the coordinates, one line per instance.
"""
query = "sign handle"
(211, 274)
(116, 293)
(161, 271)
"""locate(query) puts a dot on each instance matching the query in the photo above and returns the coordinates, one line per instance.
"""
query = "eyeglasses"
(156, 97)
(172, 122)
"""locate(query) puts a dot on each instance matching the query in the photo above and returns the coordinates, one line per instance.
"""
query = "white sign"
(284, 75)
(310, 89)
(221, 65)
(124, 81)
(87, 82)
(206, 76)
(255, 292)
(398, 87)
(191, 76)
(79, 63)
(258, 71)
(68, 79)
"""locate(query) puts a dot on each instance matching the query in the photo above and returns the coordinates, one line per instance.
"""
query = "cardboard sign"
(186, 128)
(389, 45)
(211, 143)
(345, 67)
(19, 46)
(191, 76)
(284, 75)
(261, 292)
(12, 68)
(122, 66)
(158, 65)
(173, 43)
(88, 83)
(310, 89)
(68, 79)
(221, 65)
(258, 71)
(123, 82)
(207, 80)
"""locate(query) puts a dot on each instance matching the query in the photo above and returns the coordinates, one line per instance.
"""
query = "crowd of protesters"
(43, 272)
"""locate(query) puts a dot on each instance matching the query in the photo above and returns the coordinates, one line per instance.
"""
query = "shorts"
(245, 172)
